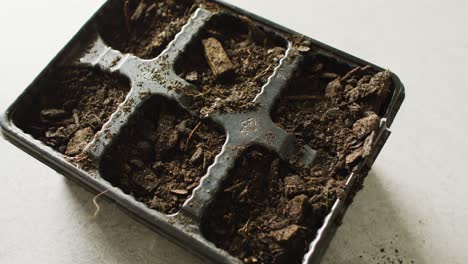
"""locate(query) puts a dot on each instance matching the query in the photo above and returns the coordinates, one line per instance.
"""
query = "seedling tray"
(169, 126)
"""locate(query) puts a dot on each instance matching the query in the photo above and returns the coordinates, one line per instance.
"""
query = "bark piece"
(197, 156)
(293, 185)
(355, 155)
(288, 234)
(139, 11)
(192, 76)
(296, 208)
(366, 125)
(53, 114)
(217, 58)
(79, 141)
(179, 192)
(368, 144)
(333, 89)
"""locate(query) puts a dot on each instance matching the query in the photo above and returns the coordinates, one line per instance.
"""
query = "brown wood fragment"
(197, 156)
(52, 114)
(355, 155)
(138, 11)
(191, 135)
(235, 186)
(368, 145)
(366, 125)
(350, 73)
(126, 10)
(328, 75)
(192, 76)
(179, 192)
(316, 67)
(303, 49)
(79, 141)
(296, 208)
(217, 58)
(288, 234)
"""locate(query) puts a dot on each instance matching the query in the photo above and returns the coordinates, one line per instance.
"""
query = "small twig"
(328, 75)
(98, 208)
(272, 219)
(77, 119)
(191, 135)
(126, 9)
(217, 58)
(80, 157)
(245, 228)
(204, 160)
(234, 186)
(261, 73)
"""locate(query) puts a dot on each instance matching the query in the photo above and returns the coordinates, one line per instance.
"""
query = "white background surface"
(414, 200)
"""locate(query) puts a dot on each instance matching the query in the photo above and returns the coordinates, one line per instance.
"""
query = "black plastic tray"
(242, 129)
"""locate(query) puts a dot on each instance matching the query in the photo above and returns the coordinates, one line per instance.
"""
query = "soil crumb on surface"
(229, 62)
(268, 210)
(161, 154)
(71, 105)
(143, 27)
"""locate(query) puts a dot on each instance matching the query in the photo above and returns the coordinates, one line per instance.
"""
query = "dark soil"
(268, 210)
(336, 111)
(253, 52)
(71, 106)
(161, 154)
(143, 27)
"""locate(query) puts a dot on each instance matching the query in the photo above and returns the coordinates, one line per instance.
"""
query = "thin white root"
(98, 208)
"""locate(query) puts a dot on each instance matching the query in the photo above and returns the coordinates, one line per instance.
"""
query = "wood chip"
(217, 58)
(316, 67)
(197, 156)
(296, 208)
(366, 125)
(79, 141)
(352, 72)
(368, 144)
(355, 155)
(192, 76)
(179, 192)
(287, 234)
(328, 75)
(126, 10)
(303, 49)
(235, 186)
(53, 114)
(138, 11)
(187, 143)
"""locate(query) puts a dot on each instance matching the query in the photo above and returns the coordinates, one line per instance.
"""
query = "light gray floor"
(414, 200)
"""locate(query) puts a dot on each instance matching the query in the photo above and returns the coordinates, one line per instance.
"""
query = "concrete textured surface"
(413, 208)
